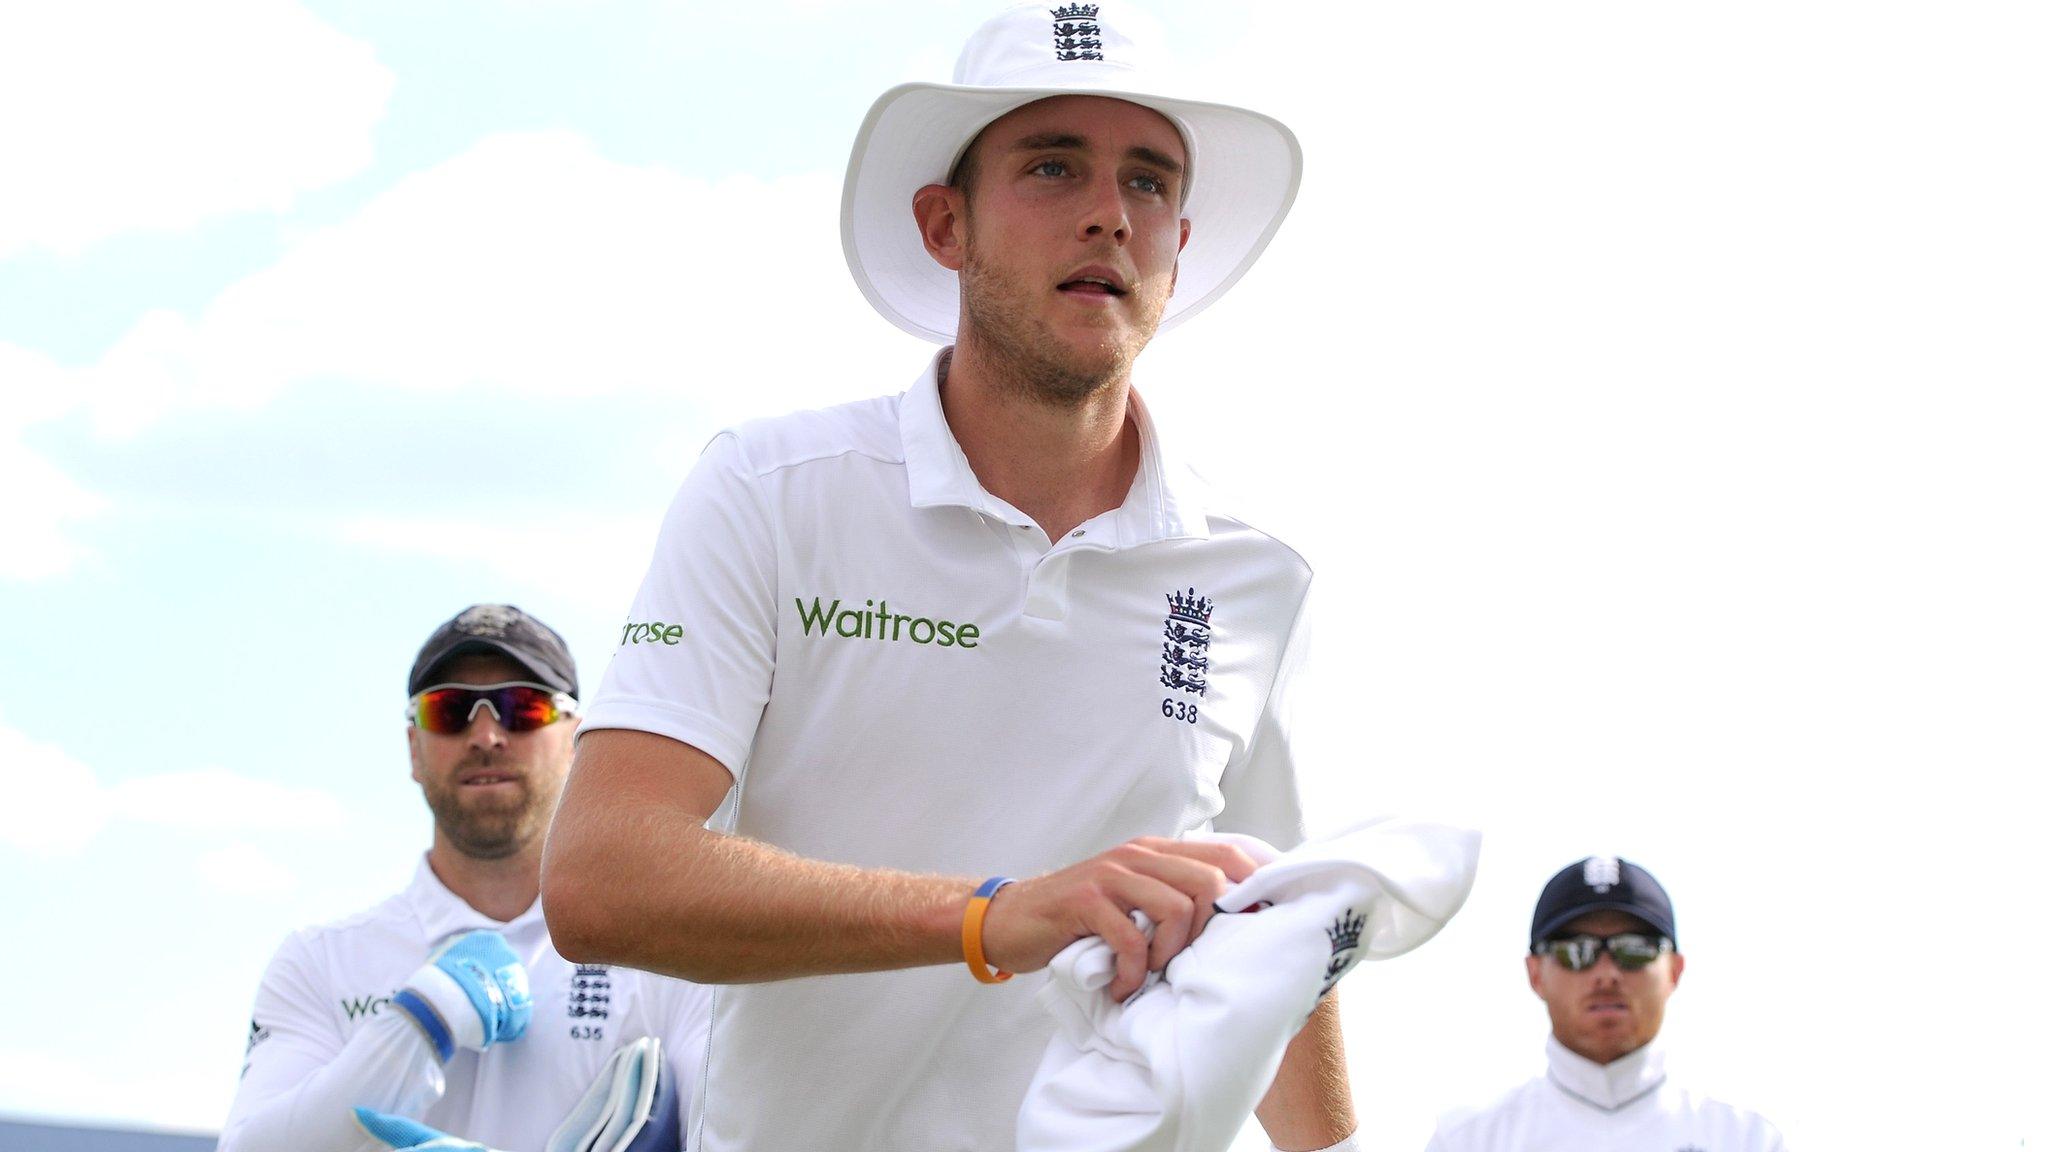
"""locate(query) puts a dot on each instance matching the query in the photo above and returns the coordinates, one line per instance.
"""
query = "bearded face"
(492, 790)
(486, 804)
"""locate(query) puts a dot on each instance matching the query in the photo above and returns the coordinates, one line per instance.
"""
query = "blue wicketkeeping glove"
(630, 1107)
(471, 993)
(411, 1135)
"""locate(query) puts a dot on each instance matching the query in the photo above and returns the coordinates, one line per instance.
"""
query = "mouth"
(1101, 282)
(487, 779)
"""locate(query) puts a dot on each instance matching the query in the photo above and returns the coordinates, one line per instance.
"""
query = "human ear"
(941, 223)
(1173, 280)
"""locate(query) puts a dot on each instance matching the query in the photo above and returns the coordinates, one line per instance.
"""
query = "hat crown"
(501, 629)
(915, 134)
(1060, 46)
(1602, 882)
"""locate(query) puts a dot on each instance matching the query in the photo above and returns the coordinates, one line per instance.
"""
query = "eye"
(1050, 168)
(1148, 184)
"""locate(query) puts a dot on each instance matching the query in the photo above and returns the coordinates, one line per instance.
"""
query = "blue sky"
(1659, 394)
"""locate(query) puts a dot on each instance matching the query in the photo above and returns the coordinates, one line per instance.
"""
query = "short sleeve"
(696, 654)
(1261, 796)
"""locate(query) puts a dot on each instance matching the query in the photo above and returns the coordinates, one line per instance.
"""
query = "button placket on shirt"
(1045, 595)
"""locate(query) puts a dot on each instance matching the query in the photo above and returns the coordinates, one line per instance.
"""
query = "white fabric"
(1630, 1105)
(1180, 1065)
(1245, 167)
(326, 1039)
(451, 1004)
(1049, 740)
(617, 1105)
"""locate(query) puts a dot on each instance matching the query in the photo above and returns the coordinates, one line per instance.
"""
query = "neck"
(1059, 461)
(501, 889)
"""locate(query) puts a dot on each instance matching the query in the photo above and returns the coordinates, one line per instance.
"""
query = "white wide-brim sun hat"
(1244, 166)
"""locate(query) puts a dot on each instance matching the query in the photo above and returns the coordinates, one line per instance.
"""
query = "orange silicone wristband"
(970, 930)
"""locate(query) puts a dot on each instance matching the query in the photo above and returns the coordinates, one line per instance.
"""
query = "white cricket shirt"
(1631, 1105)
(900, 670)
(324, 1037)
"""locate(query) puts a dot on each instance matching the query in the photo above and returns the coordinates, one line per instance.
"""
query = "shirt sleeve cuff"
(686, 725)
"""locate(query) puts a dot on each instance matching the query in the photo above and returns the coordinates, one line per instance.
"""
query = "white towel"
(1181, 1064)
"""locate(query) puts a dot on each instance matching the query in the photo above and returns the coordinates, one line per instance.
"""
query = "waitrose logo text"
(876, 622)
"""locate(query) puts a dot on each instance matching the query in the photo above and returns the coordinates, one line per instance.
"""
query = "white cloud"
(58, 806)
(532, 263)
(54, 804)
(529, 263)
(243, 869)
(217, 800)
(43, 502)
(135, 115)
(596, 561)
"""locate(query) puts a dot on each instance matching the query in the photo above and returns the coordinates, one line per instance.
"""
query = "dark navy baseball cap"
(1599, 883)
(496, 630)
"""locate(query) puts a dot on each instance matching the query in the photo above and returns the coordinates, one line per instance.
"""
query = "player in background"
(447, 1003)
(980, 630)
(1603, 958)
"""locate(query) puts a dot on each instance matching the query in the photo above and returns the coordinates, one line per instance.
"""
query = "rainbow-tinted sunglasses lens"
(448, 708)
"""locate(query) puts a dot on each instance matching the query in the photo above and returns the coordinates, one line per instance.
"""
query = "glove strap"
(430, 1022)
(970, 930)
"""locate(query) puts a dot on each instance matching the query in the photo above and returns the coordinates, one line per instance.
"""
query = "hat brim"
(1550, 927)
(529, 660)
(1245, 168)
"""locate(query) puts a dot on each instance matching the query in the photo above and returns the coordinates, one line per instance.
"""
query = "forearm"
(388, 1065)
(632, 877)
(1309, 1104)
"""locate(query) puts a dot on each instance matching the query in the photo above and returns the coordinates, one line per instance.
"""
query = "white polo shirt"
(324, 1037)
(901, 671)
(1631, 1105)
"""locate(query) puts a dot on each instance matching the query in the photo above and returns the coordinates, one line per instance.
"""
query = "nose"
(1105, 214)
(484, 731)
(1606, 972)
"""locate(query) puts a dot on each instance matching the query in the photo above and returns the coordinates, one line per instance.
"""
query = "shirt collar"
(1164, 503)
(443, 914)
(1608, 1087)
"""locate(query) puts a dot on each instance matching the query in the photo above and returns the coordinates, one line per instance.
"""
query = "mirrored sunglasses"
(518, 707)
(1632, 951)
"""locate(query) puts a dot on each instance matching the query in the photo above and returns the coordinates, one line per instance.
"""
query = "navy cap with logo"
(1600, 883)
(496, 630)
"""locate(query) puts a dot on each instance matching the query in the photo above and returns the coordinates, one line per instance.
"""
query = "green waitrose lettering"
(876, 622)
(654, 632)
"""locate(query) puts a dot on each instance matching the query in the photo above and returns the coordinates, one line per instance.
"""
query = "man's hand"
(1175, 883)
(471, 993)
